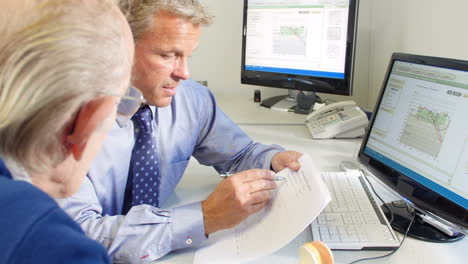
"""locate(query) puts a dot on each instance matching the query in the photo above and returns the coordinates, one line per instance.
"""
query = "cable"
(393, 251)
(318, 99)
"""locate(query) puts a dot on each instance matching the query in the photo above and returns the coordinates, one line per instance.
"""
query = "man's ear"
(89, 118)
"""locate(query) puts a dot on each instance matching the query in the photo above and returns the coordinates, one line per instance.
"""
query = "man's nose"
(181, 70)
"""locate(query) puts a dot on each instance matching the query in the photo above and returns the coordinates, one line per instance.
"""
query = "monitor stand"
(282, 102)
(420, 229)
(296, 101)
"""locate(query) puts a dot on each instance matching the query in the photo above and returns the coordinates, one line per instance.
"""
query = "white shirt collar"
(17, 171)
(125, 121)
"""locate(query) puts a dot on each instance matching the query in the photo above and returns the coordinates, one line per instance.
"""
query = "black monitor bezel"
(397, 181)
(303, 82)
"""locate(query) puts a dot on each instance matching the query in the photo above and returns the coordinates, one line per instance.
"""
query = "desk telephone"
(337, 120)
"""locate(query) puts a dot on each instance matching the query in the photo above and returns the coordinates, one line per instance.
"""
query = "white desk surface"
(199, 181)
(245, 112)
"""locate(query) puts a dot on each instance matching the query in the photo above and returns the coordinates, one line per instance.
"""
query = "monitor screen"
(417, 142)
(299, 44)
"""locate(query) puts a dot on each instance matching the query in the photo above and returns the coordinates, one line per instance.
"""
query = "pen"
(227, 174)
(279, 178)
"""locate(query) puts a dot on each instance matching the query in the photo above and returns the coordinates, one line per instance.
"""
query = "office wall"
(428, 27)
(218, 58)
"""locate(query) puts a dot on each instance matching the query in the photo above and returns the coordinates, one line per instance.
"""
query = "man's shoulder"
(33, 227)
(20, 193)
(193, 99)
(193, 88)
(23, 205)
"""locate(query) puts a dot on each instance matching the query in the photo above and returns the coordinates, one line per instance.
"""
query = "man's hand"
(237, 197)
(286, 159)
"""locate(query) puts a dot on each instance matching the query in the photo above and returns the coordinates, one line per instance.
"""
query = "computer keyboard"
(352, 220)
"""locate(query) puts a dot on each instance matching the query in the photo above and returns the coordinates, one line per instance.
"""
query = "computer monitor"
(417, 142)
(300, 45)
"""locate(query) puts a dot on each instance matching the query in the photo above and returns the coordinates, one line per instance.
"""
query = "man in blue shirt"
(186, 122)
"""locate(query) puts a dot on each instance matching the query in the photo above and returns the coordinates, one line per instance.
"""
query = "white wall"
(425, 27)
(428, 27)
(217, 58)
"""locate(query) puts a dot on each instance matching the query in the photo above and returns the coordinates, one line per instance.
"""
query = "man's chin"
(161, 102)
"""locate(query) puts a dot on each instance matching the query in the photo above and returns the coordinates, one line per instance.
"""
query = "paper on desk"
(298, 201)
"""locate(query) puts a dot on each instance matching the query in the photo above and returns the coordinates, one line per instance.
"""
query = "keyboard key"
(333, 218)
(334, 234)
(352, 233)
(321, 220)
(343, 233)
(371, 218)
(357, 218)
(324, 235)
(347, 219)
(362, 233)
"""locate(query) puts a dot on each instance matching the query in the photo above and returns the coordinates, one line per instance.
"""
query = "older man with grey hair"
(61, 77)
(142, 161)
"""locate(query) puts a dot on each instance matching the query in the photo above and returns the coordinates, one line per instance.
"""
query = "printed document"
(297, 202)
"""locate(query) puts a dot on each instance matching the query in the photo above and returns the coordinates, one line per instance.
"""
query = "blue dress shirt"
(192, 125)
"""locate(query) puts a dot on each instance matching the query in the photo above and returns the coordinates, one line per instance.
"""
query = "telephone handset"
(337, 120)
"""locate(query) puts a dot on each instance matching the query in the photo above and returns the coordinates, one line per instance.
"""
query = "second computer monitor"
(305, 45)
(417, 142)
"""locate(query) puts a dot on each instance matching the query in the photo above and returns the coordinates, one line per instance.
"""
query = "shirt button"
(188, 241)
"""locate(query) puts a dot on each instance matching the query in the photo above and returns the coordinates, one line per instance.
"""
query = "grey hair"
(140, 13)
(55, 56)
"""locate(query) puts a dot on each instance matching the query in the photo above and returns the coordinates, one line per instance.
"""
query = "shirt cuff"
(269, 157)
(189, 226)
